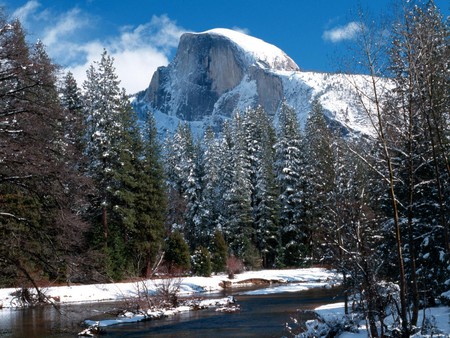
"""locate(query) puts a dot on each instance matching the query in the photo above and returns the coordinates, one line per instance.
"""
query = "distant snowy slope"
(337, 93)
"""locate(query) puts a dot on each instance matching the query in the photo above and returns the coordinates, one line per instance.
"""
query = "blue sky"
(142, 35)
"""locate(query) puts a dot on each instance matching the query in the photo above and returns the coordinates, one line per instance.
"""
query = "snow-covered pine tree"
(178, 157)
(225, 179)
(320, 176)
(113, 146)
(201, 262)
(222, 190)
(171, 159)
(190, 173)
(290, 176)
(197, 231)
(102, 110)
(212, 184)
(237, 224)
(126, 192)
(260, 140)
(353, 238)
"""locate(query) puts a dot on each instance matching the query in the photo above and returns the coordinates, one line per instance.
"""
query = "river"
(260, 316)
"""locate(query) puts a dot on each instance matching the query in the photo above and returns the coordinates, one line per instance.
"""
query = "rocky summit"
(220, 71)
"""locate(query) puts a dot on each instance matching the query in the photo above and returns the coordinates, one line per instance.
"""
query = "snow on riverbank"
(295, 280)
(223, 304)
(438, 319)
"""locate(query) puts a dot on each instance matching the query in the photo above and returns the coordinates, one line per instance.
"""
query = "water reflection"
(48, 321)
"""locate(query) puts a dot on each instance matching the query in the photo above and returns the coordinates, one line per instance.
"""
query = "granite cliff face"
(208, 69)
(220, 71)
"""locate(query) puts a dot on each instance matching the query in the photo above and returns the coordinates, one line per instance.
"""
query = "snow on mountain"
(218, 72)
(337, 94)
(257, 51)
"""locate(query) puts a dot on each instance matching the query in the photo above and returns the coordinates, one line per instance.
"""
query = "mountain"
(217, 72)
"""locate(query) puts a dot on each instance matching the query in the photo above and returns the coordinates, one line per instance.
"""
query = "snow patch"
(439, 316)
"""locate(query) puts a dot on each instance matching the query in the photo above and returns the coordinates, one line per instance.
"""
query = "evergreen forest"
(89, 193)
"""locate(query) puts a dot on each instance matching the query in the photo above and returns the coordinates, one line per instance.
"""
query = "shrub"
(177, 253)
(252, 258)
(234, 265)
(201, 262)
(219, 251)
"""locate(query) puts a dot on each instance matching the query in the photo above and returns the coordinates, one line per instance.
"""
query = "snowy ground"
(438, 316)
(291, 280)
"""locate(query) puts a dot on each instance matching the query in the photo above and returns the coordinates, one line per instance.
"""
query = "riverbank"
(435, 322)
(291, 280)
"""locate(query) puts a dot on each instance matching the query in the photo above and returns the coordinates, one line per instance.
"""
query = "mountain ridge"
(220, 71)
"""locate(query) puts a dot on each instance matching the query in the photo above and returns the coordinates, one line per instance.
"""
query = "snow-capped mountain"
(217, 72)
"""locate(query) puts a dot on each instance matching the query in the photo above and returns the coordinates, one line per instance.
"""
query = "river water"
(260, 316)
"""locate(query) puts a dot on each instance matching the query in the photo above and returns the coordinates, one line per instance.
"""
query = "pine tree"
(101, 101)
(151, 200)
(320, 177)
(289, 168)
(212, 184)
(352, 240)
(35, 216)
(73, 124)
(196, 230)
(114, 147)
(183, 164)
(237, 226)
(176, 254)
(260, 144)
(124, 188)
(171, 155)
(219, 253)
(201, 262)
(225, 161)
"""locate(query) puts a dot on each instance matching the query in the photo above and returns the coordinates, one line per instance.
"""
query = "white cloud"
(24, 12)
(241, 30)
(338, 34)
(134, 66)
(163, 32)
(65, 24)
(137, 50)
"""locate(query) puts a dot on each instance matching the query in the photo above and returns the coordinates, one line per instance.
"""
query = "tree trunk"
(411, 178)
(105, 224)
(345, 294)
(371, 298)
(392, 195)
